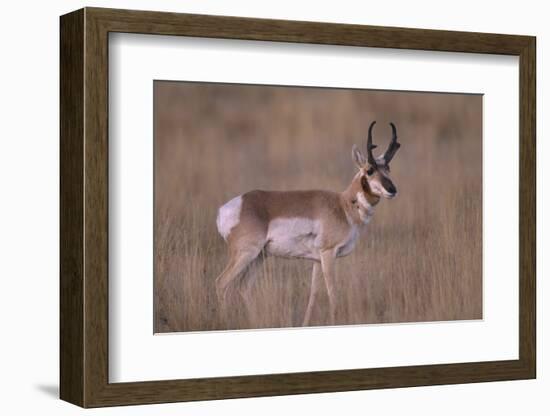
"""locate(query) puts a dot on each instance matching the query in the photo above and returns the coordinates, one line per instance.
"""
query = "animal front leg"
(316, 282)
(328, 264)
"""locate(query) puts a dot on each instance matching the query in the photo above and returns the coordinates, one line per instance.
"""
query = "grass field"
(420, 258)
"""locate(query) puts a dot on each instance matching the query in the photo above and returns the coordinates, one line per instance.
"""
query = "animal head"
(374, 172)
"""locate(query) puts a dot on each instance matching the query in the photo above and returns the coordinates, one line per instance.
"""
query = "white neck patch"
(365, 210)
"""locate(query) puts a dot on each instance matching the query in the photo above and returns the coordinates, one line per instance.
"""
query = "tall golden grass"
(420, 257)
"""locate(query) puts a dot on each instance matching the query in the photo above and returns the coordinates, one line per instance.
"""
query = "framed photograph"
(255, 207)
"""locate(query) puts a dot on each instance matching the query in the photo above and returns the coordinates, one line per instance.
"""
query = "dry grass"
(420, 257)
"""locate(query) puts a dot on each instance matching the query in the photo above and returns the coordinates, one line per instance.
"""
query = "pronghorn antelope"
(313, 224)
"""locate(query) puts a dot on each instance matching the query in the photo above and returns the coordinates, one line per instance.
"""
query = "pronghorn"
(313, 224)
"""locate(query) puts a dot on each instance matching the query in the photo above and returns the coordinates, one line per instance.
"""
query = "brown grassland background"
(420, 258)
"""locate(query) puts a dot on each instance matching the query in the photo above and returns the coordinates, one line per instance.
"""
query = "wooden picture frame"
(84, 207)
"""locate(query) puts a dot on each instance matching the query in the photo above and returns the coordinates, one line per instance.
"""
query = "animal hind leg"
(246, 285)
(238, 263)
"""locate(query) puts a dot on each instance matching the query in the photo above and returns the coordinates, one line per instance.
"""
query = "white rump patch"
(228, 216)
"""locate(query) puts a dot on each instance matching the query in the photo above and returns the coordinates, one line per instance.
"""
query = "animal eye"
(370, 171)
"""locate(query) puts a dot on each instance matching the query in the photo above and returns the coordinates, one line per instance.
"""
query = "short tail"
(229, 216)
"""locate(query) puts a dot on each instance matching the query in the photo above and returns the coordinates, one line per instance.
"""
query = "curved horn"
(393, 147)
(370, 146)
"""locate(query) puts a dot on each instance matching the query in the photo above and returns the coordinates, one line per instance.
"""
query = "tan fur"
(338, 217)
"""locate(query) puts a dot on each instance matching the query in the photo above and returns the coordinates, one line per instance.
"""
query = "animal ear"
(358, 157)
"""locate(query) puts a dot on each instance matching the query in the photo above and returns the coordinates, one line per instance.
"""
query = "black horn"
(370, 146)
(393, 147)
